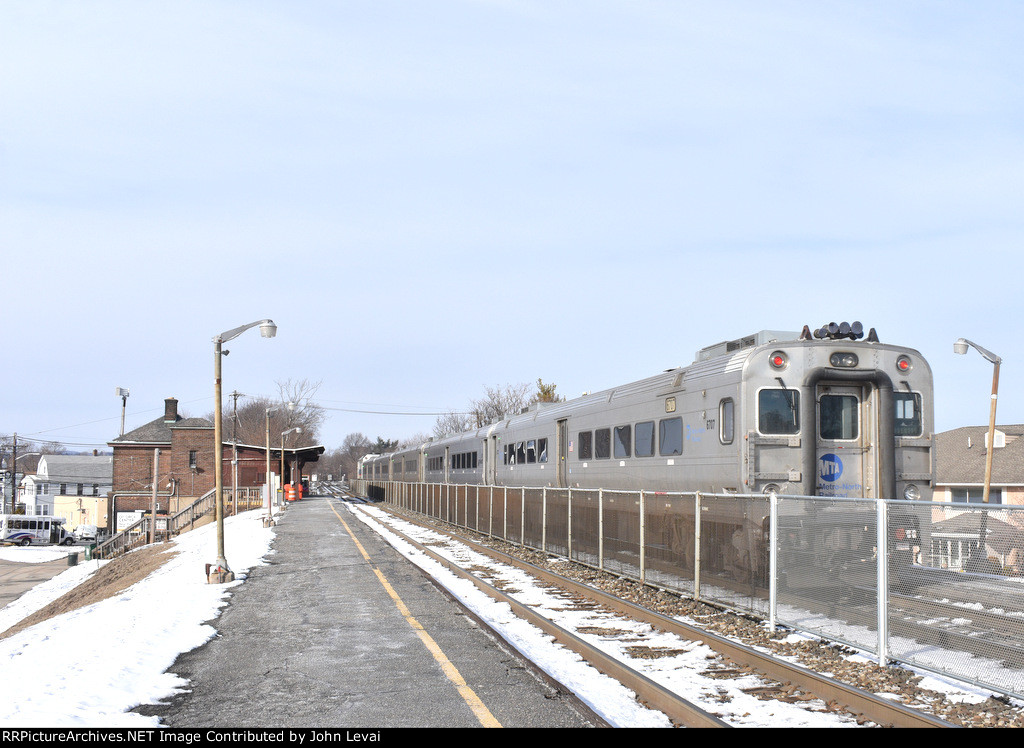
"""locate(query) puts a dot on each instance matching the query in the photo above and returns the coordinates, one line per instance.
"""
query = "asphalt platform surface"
(316, 639)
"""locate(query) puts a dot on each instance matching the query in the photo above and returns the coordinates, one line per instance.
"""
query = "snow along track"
(677, 674)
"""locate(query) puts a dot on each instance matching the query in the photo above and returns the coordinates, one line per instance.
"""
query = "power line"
(399, 413)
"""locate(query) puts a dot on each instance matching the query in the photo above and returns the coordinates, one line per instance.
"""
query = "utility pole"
(14, 475)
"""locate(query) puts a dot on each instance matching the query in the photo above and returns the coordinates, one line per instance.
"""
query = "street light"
(297, 430)
(960, 347)
(268, 330)
(122, 392)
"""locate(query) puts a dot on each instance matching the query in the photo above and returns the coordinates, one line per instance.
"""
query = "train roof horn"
(839, 331)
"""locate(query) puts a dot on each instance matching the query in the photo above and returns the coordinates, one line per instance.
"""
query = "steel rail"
(858, 701)
(649, 693)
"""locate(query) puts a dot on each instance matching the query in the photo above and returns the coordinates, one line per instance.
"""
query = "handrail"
(137, 533)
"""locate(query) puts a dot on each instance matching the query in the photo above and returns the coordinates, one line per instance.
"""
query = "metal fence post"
(600, 529)
(522, 519)
(696, 540)
(568, 504)
(773, 558)
(882, 534)
(643, 540)
(544, 519)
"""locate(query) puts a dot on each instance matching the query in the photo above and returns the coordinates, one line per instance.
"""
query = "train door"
(491, 450)
(563, 452)
(846, 420)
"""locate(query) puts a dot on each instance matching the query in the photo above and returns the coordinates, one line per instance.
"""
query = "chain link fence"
(939, 586)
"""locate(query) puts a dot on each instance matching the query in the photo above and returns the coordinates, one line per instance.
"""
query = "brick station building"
(186, 463)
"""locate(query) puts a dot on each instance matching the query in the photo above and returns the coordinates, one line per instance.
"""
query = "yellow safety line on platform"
(469, 696)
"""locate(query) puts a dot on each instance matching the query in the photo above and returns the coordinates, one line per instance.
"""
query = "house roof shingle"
(76, 468)
(960, 456)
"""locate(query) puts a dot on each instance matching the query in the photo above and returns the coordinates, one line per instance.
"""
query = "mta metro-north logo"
(830, 467)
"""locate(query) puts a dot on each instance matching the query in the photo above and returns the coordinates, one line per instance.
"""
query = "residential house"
(960, 461)
(71, 486)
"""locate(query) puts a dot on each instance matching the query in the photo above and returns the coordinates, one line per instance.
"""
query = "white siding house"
(85, 476)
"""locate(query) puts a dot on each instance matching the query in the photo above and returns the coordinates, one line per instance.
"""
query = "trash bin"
(72, 559)
(88, 551)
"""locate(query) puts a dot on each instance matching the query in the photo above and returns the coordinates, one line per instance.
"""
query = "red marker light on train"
(778, 360)
(903, 364)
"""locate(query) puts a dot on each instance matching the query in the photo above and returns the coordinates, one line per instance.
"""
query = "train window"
(602, 444)
(622, 442)
(542, 450)
(521, 453)
(586, 445)
(531, 451)
(510, 454)
(670, 436)
(908, 414)
(778, 411)
(644, 444)
(838, 417)
(726, 421)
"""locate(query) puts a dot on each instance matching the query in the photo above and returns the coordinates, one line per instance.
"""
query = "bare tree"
(498, 403)
(453, 423)
(352, 449)
(301, 410)
(246, 419)
(414, 441)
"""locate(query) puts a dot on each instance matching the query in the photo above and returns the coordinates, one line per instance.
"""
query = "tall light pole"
(268, 330)
(270, 498)
(297, 430)
(960, 347)
(122, 392)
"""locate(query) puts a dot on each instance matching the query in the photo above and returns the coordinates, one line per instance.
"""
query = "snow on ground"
(87, 668)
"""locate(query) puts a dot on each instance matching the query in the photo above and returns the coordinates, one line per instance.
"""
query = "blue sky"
(434, 197)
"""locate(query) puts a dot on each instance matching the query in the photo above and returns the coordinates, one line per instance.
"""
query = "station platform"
(339, 630)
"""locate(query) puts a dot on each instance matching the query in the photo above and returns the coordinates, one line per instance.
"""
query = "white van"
(86, 533)
(23, 529)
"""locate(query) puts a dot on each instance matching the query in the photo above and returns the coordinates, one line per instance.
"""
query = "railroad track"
(783, 680)
(1001, 638)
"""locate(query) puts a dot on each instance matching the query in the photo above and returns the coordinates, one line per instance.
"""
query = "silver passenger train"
(823, 413)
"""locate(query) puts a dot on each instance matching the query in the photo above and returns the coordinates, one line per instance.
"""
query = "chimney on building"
(170, 410)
